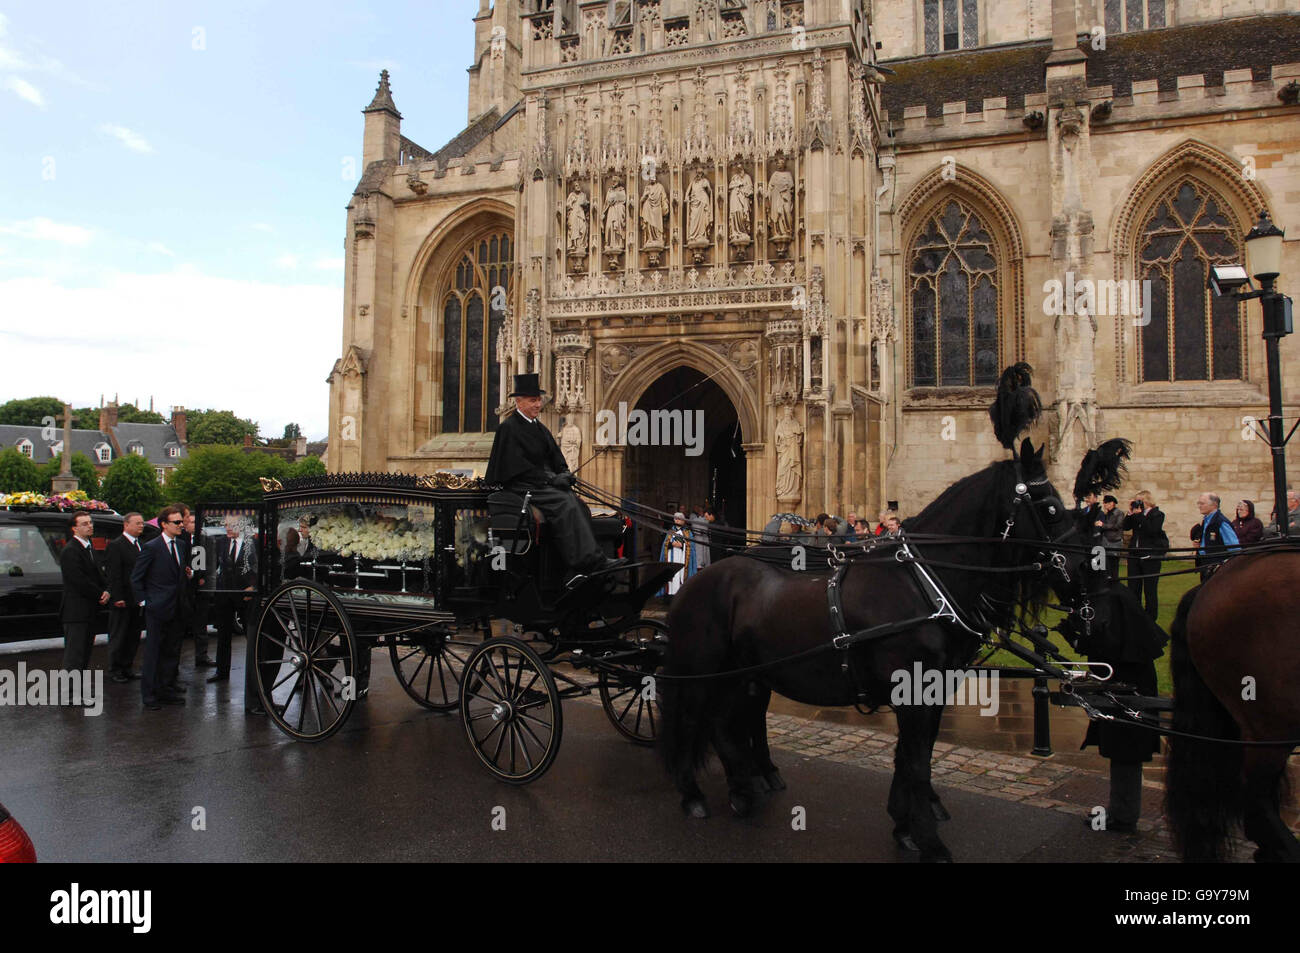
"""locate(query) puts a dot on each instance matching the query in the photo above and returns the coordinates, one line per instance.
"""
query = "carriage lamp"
(1264, 261)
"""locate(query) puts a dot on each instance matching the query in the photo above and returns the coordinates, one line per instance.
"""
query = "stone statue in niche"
(571, 444)
(699, 210)
(789, 458)
(654, 213)
(615, 216)
(780, 202)
(741, 192)
(577, 208)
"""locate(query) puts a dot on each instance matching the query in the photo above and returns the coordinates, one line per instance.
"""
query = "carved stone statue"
(741, 189)
(571, 445)
(577, 209)
(615, 217)
(654, 213)
(780, 202)
(699, 210)
(789, 458)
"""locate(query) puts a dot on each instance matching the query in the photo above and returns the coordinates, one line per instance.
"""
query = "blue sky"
(172, 190)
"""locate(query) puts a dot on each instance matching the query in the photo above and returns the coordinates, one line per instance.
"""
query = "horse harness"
(944, 608)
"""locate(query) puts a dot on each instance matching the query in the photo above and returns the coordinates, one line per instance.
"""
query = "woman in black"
(1247, 525)
(1147, 548)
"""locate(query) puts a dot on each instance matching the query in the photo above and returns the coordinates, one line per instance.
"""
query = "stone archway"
(707, 466)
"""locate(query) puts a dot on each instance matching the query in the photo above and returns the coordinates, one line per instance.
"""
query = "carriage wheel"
(630, 701)
(511, 710)
(430, 666)
(306, 657)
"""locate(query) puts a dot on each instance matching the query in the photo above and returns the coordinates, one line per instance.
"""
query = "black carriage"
(432, 568)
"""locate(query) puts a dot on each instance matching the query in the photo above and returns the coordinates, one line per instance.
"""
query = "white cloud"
(161, 249)
(263, 350)
(132, 140)
(24, 90)
(329, 264)
(15, 61)
(263, 227)
(287, 260)
(43, 229)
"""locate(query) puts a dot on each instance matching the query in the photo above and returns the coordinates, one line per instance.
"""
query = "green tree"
(207, 427)
(82, 468)
(31, 411)
(308, 466)
(131, 414)
(18, 473)
(85, 418)
(131, 484)
(223, 474)
(292, 431)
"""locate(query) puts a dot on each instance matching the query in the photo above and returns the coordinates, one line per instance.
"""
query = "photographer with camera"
(1148, 546)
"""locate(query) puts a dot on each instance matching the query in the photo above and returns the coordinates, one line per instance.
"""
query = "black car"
(31, 585)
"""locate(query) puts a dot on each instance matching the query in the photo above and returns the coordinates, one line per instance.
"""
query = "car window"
(24, 551)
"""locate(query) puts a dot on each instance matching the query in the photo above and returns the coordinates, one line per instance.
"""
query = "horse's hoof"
(695, 807)
(741, 803)
(904, 840)
(940, 812)
(774, 780)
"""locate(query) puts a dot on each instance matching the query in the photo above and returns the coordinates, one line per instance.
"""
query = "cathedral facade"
(774, 253)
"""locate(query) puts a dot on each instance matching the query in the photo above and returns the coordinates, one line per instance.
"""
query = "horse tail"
(684, 732)
(1203, 794)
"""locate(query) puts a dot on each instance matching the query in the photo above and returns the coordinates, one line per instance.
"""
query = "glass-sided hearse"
(345, 563)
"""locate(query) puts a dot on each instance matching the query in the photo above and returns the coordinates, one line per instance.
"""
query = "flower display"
(73, 500)
(373, 537)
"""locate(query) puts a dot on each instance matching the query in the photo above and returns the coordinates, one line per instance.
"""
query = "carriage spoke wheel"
(306, 657)
(630, 695)
(430, 665)
(511, 710)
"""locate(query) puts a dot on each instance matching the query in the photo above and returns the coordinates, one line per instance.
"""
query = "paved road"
(398, 783)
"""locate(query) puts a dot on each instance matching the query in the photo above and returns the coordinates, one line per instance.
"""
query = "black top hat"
(526, 385)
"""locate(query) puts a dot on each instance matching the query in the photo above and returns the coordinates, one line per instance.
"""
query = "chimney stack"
(248, 441)
(108, 417)
(179, 424)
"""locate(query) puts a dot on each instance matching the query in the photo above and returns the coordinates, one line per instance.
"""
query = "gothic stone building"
(827, 225)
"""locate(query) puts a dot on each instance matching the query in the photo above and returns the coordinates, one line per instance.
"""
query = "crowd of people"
(152, 584)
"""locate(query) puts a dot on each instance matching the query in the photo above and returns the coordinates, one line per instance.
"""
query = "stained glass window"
(472, 316)
(953, 293)
(950, 24)
(960, 24)
(932, 26)
(1192, 335)
(969, 24)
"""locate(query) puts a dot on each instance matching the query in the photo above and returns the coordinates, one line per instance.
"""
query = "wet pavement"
(399, 783)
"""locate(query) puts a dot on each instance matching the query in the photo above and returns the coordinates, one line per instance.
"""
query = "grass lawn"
(1171, 592)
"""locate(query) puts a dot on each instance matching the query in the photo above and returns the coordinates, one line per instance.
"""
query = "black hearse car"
(31, 585)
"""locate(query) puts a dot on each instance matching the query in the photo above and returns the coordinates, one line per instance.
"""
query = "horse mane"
(970, 507)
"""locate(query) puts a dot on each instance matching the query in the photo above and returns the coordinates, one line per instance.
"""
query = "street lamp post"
(1264, 261)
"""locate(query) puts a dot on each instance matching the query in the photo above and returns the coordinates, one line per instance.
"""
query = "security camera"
(1226, 279)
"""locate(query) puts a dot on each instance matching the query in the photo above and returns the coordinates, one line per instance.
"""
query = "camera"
(1135, 505)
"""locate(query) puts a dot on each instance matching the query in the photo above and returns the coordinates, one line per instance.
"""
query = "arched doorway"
(710, 470)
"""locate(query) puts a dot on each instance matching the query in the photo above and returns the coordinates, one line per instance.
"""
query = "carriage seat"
(503, 521)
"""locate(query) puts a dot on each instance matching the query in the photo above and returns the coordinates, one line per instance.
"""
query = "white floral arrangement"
(372, 537)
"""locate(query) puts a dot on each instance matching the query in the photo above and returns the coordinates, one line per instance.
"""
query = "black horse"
(744, 612)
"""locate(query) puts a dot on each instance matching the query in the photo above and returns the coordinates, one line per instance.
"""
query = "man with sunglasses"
(158, 580)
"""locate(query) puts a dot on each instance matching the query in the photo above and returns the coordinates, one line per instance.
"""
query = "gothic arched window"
(473, 311)
(1191, 334)
(953, 293)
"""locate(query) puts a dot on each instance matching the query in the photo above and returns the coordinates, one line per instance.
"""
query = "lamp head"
(1264, 249)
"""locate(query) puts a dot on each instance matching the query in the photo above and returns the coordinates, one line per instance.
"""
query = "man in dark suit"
(83, 593)
(236, 580)
(159, 580)
(198, 599)
(525, 458)
(125, 620)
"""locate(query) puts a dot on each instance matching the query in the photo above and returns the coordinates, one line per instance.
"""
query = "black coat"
(83, 583)
(1148, 532)
(158, 579)
(120, 558)
(239, 574)
(524, 454)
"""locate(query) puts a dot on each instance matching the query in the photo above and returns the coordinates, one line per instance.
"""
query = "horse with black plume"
(769, 625)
